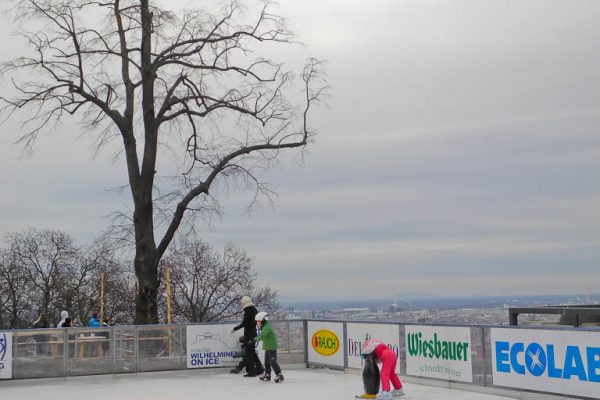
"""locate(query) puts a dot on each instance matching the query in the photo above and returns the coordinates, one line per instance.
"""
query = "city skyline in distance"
(419, 301)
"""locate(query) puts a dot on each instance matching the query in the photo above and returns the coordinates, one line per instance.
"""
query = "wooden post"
(168, 295)
(101, 297)
(169, 311)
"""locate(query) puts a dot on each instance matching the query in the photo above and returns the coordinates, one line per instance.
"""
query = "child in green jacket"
(267, 335)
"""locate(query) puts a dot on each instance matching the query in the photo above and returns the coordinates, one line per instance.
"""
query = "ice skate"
(279, 378)
(398, 392)
(265, 377)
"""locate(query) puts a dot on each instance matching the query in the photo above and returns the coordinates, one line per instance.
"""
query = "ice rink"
(300, 384)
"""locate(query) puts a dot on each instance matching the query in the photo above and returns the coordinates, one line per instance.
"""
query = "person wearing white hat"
(253, 364)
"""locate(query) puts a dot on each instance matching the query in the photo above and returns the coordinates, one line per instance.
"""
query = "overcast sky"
(460, 154)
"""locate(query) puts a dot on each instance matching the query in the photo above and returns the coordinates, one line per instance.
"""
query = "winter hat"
(246, 302)
(261, 316)
(63, 315)
(369, 345)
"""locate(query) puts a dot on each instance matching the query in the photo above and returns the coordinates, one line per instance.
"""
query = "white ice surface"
(300, 384)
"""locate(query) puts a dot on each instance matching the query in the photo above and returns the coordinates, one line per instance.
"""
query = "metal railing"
(50, 353)
(131, 349)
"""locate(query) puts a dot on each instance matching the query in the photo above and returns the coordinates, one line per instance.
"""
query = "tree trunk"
(146, 265)
(146, 256)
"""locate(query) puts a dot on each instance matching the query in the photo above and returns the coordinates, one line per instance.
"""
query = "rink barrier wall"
(125, 349)
(51, 353)
(482, 357)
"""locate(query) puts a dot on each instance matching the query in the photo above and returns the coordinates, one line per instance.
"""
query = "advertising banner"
(564, 362)
(356, 334)
(441, 352)
(5, 355)
(325, 344)
(214, 346)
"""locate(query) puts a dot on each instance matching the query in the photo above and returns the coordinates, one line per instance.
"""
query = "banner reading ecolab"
(563, 362)
(324, 343)
(5, 355)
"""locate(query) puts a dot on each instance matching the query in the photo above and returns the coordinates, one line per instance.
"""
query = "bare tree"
(15, 306)
(47, 258)
(267, 299)
(82, 285)
(119, 283)
(207, 286)
(148, 76)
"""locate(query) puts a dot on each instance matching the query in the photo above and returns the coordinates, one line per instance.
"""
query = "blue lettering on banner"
(210, 358)
(540, 360)
(3, 349)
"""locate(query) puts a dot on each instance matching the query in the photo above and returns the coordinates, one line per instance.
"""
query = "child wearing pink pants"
(388, 358)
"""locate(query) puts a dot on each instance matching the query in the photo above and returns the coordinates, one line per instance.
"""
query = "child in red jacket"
(386, 356)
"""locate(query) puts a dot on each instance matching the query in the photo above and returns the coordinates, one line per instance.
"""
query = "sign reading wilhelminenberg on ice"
(440, 352)
(212, 346)
(5, 355)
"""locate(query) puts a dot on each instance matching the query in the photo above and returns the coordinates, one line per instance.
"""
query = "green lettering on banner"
(452, 355)
(445, 351)
(436, 348)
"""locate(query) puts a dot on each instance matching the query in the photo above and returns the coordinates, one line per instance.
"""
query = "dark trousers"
(253, 365)
(271, 361)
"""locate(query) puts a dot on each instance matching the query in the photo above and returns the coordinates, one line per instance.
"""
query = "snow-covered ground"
(300, 384)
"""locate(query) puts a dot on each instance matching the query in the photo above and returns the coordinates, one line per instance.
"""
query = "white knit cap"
(261, 316)
(246, 302)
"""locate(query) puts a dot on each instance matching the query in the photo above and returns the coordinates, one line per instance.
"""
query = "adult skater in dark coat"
(253, 365)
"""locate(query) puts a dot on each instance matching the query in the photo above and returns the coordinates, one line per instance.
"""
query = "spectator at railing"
(105, 324)
(94, 321)
(63, 316)
(41, 322)
(40, 340)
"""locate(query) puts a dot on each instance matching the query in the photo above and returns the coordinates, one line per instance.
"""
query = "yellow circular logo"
(325, 342)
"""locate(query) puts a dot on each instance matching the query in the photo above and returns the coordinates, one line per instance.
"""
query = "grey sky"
(460, 155)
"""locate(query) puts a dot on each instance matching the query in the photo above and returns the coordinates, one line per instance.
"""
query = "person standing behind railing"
(94, 321)
(40, 340)
(41, 322)
(63, 317)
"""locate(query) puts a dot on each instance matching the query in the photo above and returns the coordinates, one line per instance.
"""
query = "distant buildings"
(458, 311)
